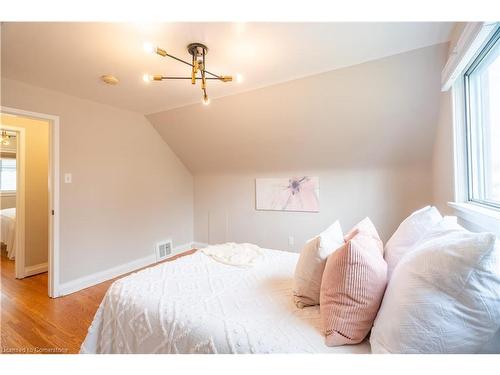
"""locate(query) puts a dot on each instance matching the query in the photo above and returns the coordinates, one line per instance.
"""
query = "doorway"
(34, 217)
(8, 191)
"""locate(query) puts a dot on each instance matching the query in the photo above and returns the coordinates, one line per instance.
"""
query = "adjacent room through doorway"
(24, 194)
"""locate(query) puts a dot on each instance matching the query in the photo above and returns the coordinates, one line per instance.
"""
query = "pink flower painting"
(287, 194)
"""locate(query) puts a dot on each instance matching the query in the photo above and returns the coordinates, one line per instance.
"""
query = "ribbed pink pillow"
(352, 287)
(366, 228)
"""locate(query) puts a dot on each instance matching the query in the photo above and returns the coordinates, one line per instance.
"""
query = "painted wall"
(129, 189)
(225, 205)
(36, 191)
(377, 114)
(367, 131)
(443, 159)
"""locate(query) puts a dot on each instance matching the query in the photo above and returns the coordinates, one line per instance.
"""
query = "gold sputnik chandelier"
(198, 66)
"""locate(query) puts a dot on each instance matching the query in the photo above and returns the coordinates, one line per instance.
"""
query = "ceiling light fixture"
(109, 79)
(198, 66)
(5, 138)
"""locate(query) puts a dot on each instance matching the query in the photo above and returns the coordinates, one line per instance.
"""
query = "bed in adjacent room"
(8, 230)
(198, 305)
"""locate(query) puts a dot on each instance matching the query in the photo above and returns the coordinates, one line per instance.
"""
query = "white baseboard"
(99, 277)
(199, 245)
(36, 269)
(182, 248)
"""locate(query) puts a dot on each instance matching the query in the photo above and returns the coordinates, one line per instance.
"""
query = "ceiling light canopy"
(198, 66)
(109, 79)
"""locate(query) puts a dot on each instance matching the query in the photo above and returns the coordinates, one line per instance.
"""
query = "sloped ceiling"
(376, 114)
(70, 57)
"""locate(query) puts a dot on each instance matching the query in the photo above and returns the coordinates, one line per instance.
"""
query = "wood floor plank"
(31, 322)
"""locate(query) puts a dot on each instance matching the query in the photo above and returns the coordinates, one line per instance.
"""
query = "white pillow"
(311, 264)
(493, 346)
(444, 297)
(409, 232)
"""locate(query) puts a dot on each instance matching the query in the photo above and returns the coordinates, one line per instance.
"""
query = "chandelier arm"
(212, 74)
(197, 78)
(193, 72)
(192, 66)
(203, 80)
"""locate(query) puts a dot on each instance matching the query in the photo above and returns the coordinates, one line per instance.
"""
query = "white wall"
(129, 189)
(443, 159)
(378, 114)
(225, 205)
(370, 129)
(367, 131)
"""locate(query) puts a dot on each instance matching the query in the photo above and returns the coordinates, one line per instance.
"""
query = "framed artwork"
(287, 194)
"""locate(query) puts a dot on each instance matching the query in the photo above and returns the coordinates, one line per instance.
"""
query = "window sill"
(486, 218)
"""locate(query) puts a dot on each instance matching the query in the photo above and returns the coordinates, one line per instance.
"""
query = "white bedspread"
(198, 305)
(8, 230)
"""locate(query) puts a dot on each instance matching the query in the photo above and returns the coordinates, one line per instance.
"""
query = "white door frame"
(54, 190)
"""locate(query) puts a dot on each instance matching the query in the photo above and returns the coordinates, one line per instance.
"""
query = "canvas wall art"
(287, 194)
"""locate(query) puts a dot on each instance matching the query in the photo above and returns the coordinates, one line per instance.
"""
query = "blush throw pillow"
(352, 288)
(409, 232)
(366, 228)
(311, 264)
(443, 297)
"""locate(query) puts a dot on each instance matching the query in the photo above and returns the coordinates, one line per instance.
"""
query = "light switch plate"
(67, 178)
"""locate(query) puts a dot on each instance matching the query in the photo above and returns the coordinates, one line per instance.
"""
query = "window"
(7, 174)
(482, 119)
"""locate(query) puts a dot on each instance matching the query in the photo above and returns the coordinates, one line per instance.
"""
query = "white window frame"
(472, 41)
(471, 146)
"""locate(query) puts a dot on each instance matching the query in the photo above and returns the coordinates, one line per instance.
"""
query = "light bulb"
(206, 100)
(239, 78)
(147, 78)
(149, 47)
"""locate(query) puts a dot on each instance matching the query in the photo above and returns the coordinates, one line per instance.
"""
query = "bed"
(198, 305)
(8, 230)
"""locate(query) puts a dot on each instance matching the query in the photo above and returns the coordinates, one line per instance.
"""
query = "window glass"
(7, 174)
(482, 84)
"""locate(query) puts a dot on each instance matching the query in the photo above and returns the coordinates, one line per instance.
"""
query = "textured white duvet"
(8, 230)
(198, 305)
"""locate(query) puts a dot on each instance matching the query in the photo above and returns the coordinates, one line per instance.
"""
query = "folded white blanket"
(241, 255)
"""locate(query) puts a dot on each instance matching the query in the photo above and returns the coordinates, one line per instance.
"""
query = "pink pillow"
(365, 227)
(352, 287)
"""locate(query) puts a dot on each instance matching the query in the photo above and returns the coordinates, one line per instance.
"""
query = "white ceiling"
(70, 57)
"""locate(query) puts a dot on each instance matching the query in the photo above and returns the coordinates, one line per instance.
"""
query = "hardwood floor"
(31, 322)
